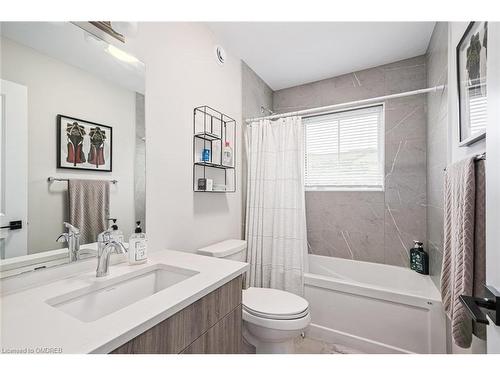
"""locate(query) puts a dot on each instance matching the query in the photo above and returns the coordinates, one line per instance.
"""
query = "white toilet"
(272, 318)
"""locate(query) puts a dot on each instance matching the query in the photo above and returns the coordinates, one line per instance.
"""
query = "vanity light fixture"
(127, 29)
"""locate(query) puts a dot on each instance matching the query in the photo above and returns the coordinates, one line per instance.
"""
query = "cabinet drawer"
(223, 338)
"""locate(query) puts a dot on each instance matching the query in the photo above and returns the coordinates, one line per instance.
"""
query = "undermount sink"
(103, 298)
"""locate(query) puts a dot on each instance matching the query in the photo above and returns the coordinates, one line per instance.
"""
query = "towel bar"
(478, 157)
(13, 225)
(51, 179)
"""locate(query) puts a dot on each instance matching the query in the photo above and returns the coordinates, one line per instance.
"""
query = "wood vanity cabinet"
(211, 325)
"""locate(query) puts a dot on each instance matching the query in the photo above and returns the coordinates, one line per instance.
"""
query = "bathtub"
(373, 308)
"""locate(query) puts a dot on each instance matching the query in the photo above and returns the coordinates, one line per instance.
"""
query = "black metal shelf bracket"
(207, 136)
(479, 309)
(212, 165)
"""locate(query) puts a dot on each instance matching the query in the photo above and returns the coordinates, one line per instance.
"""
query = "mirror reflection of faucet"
(72, 238)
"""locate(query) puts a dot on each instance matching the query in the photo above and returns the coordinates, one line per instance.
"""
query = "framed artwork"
(472, 52)
(84, 145)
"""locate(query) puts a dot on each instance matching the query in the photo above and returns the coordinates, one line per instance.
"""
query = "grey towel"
(88, 207)
(480, 242)
(463, 269)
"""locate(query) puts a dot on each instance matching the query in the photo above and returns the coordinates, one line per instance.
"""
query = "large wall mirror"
(72, 141)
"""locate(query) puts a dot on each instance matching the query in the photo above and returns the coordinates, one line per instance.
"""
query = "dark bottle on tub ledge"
(419, 259)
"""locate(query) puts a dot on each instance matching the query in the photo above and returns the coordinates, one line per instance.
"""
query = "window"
(477, 109)
(344, 150)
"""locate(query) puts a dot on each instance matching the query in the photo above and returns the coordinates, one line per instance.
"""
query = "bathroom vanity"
(177, 302)
(211, 325)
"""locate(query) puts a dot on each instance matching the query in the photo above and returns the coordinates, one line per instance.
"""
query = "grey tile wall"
(255, 93)
(405, 177)
(373, 226)
(346, 224)
(437, 128)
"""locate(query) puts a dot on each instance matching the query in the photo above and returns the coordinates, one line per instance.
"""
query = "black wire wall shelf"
(212, 131)
(213, 165)
(207, 136)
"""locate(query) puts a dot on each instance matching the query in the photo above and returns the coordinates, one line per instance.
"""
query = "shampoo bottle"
(137, 246)
(227, 155)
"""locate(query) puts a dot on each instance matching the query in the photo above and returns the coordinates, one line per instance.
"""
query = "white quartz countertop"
(30, 324)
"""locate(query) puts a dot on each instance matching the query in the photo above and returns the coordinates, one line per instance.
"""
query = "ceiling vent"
(220, 54)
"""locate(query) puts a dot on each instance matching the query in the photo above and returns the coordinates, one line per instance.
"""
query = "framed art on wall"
(471, 74)
(84, 145)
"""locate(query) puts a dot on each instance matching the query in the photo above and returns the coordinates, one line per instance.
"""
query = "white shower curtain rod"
(328, 108)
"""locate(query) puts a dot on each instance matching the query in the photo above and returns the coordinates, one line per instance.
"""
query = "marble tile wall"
(373, 226)
(405, 177)
(255, 93)
(437, 135)
(346, 224)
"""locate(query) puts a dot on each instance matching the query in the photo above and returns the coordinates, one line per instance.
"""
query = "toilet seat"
(276, 317)
(277, 324)
(274, 304)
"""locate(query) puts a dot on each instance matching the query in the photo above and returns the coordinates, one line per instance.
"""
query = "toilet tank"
(229, 249)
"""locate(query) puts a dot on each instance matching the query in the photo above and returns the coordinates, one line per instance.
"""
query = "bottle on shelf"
(227, 155)
(205, 155)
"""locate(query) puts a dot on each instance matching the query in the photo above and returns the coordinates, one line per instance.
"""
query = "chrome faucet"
(72, 238)
(105, 246)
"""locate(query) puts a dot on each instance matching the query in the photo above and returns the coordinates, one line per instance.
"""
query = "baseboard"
(361, 344)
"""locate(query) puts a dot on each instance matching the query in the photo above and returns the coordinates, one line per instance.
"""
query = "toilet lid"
(274, 303)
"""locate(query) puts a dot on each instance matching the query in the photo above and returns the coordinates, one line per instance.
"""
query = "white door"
(493, 176)
(13, 168)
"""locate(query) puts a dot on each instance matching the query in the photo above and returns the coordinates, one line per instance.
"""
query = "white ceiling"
(287, 54)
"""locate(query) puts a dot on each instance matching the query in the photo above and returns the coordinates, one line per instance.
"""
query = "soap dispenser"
(137, 251)
(116, 233)
(419, 259)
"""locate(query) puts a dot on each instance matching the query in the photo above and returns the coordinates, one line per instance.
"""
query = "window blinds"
(477, 109)
(345, 149)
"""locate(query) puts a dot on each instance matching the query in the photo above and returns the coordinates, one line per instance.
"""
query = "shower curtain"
(275, 213)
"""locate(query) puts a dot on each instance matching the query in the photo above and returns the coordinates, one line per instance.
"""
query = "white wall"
(181, 74)
(57, 88)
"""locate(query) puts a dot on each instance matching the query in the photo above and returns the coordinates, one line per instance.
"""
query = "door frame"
(14, 144)
(493, 176)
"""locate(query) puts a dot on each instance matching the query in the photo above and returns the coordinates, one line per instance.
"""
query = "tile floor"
(310, 346)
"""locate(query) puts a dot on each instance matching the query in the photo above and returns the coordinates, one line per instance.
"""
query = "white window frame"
(381, 135)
